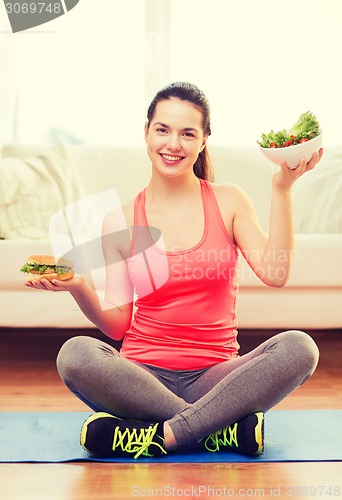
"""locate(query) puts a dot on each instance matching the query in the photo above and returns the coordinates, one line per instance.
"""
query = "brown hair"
(189, 92)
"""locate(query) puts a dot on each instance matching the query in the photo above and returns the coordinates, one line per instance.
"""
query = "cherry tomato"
(287, 143)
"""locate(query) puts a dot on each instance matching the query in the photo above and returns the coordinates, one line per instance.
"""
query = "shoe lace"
(223, 437)
(134, 441)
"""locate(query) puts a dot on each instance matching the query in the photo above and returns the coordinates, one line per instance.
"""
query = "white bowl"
(293, 154)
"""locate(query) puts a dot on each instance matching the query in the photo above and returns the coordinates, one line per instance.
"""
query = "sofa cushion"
(124, 168)
(32, 189)
(317, 196)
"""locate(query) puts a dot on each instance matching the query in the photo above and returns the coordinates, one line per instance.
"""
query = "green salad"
(306, 128)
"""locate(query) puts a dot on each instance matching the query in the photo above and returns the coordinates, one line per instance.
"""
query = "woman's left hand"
(286, 176)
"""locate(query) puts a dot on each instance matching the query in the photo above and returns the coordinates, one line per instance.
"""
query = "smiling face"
(175, 137)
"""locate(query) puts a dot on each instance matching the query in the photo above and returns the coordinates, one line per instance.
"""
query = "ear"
(146, 131)
(204, 143)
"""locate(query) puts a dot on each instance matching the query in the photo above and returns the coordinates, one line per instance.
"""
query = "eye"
(188, 134)
(161, 130)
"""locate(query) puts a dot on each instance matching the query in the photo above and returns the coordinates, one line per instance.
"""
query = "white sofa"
(311, 299)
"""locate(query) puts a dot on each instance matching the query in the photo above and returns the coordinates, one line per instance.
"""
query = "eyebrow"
(185, 129)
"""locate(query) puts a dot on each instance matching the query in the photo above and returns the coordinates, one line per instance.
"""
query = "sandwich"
(48, 267)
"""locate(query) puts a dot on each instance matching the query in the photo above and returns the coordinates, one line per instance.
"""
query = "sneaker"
(109, 436)
(245, 437)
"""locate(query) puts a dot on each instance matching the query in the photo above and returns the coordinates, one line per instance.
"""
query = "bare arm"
(110, 319)
(270, 255)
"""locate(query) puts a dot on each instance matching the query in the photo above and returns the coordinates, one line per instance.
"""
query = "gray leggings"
(195, 403)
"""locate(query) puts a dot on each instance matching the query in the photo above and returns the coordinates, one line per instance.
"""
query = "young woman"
(178, 381)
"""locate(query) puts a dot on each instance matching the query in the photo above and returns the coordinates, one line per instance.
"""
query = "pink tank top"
(185, 307)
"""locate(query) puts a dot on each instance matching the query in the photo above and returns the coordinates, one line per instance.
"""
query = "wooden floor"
(29, 382)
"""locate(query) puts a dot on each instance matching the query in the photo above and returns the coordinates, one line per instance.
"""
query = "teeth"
(172, 158)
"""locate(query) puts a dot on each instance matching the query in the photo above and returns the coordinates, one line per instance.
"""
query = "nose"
(173, 143)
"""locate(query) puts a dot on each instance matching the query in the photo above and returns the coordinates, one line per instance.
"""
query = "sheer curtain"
(7, 89)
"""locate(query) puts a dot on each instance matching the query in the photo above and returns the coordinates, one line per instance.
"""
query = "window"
(261, 63)
(81, 77)
(88, 76)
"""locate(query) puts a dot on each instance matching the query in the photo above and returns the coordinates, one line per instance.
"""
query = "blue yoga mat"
(290, 436)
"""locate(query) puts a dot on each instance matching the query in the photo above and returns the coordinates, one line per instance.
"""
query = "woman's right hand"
(72, 285)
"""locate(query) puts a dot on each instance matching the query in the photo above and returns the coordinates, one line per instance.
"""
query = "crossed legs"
(223, 394)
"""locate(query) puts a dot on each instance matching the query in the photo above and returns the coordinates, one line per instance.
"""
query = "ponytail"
(202, 166)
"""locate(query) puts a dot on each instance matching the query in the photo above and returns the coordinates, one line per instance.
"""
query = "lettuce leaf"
(40, 268)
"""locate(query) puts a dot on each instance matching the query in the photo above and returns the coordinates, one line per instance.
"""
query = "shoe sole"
(259, 433)
(95, 416)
